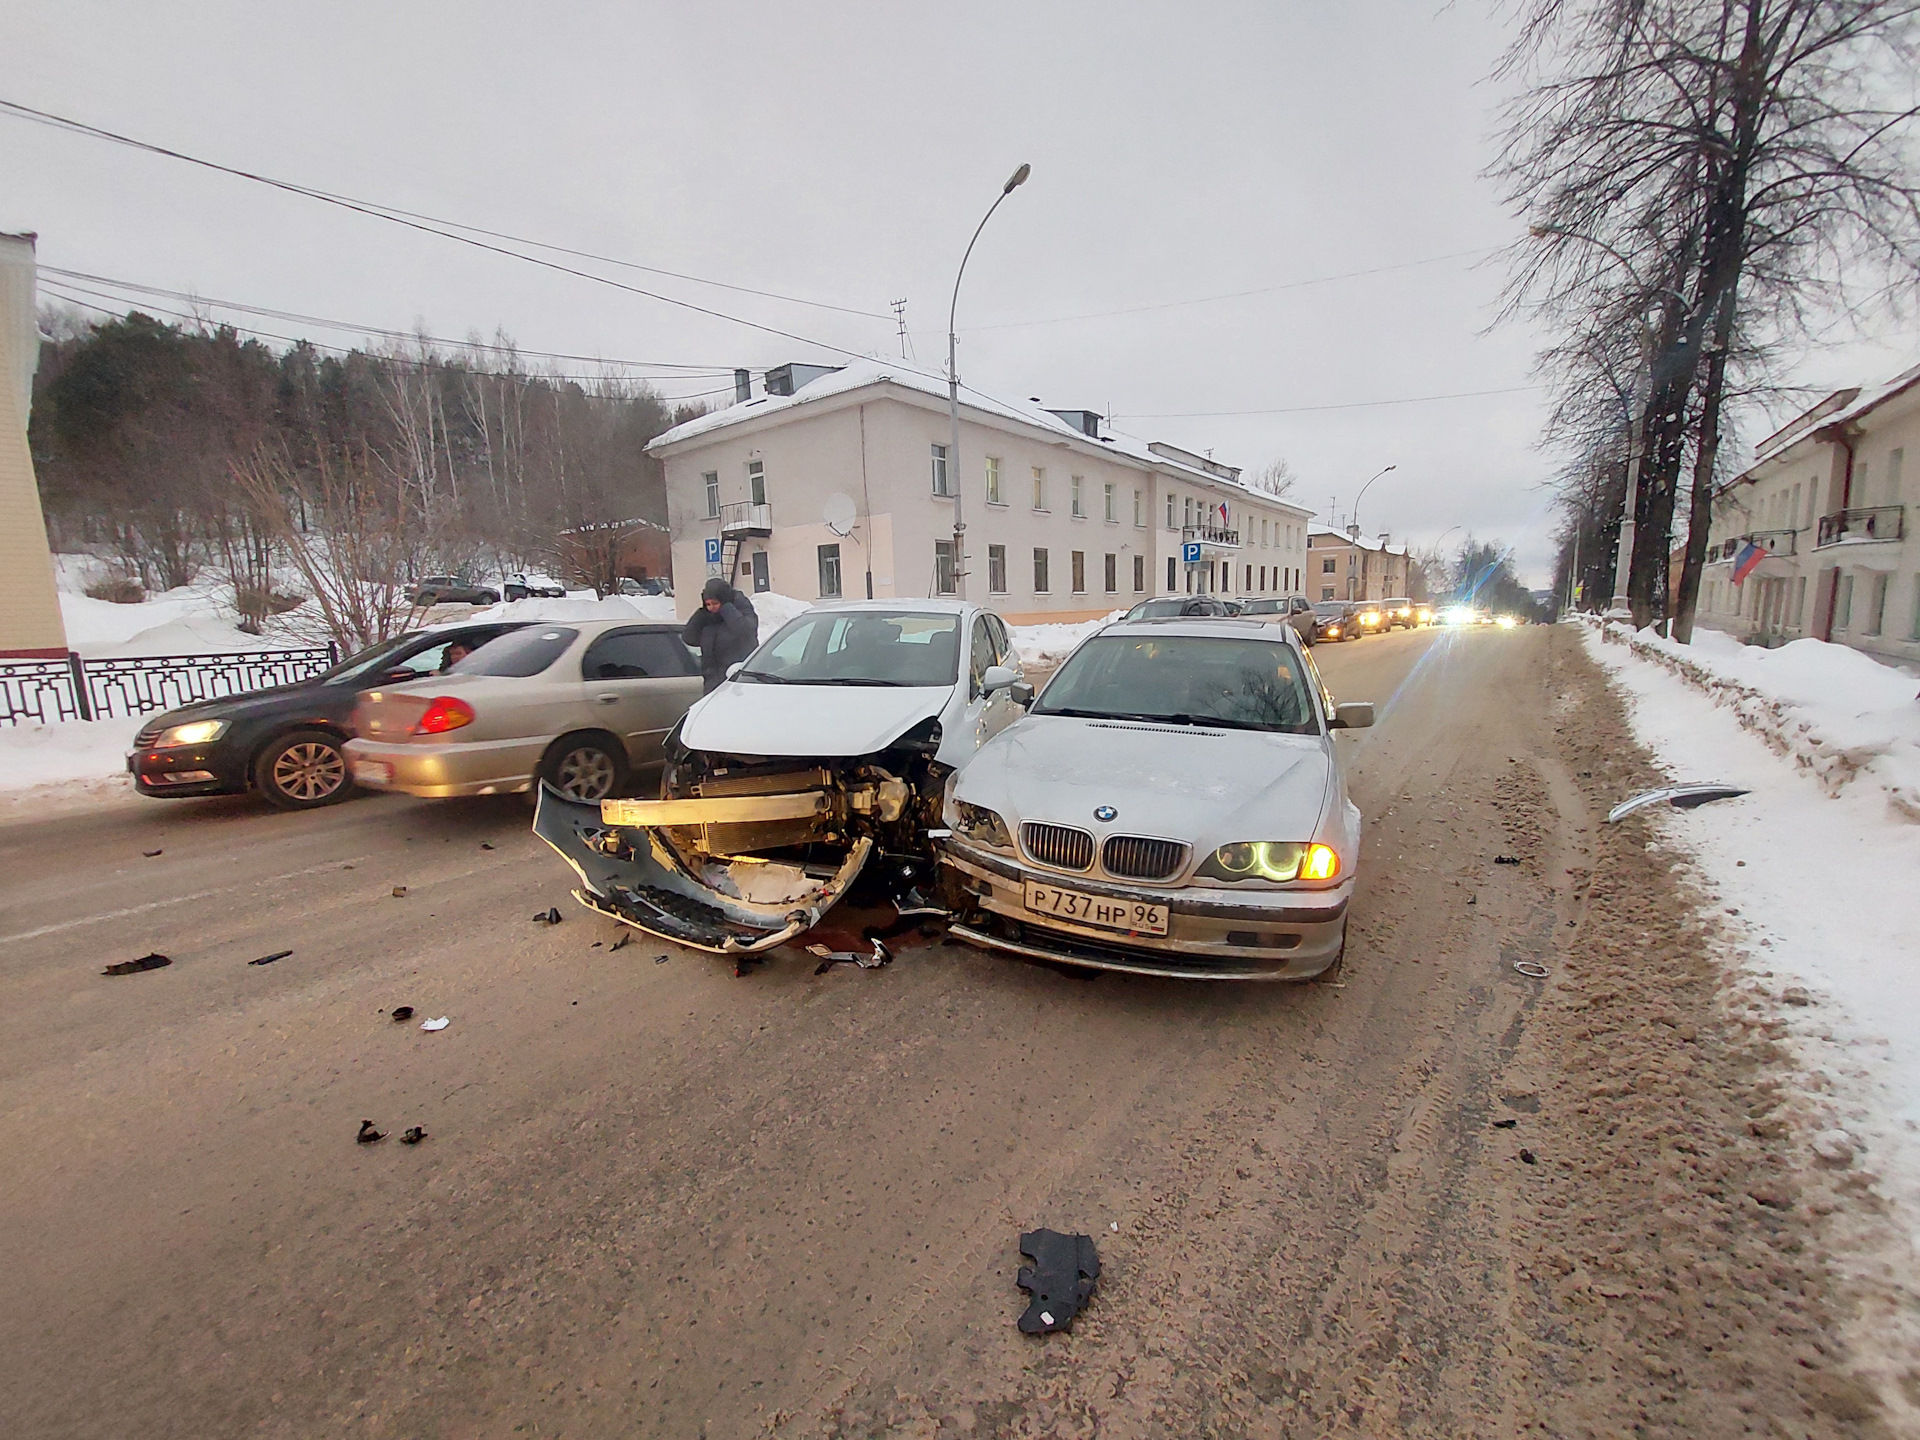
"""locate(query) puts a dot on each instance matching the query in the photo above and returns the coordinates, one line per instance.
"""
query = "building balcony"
(1875, 523)
(744, 518)
(1216, 536)
(1774, 542)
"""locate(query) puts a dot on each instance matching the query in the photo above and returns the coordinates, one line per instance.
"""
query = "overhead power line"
(428, 226)
(1347, 405)
(189, 297)
(1233, 294)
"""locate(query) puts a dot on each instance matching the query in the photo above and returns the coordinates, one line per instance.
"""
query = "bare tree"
(1277, 478)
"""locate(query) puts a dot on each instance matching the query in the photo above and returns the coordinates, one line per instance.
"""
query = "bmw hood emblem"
(1104, 812)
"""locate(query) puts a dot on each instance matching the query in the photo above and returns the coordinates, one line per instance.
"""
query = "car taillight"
(443, 714)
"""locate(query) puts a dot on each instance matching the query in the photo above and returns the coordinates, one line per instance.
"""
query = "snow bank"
(582, 606)
(1050, 644)
(1816, 878)
(1839, 715)
(76, 750)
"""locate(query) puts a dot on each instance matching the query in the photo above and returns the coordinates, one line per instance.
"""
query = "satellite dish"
(838, 513)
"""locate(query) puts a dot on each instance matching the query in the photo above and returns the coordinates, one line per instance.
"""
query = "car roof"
(1211, 626)
(931, 605)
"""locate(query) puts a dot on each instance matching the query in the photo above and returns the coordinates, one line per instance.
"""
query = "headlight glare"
(194, 732)
(1321, 862)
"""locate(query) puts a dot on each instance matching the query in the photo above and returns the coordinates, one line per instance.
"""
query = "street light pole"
(954, 478)
(1353, 521)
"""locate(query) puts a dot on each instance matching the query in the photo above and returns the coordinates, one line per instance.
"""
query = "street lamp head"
(1019, 179)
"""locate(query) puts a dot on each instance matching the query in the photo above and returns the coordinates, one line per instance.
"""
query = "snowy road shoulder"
(1819, 900)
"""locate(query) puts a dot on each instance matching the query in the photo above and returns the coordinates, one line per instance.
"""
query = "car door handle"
(606, 699)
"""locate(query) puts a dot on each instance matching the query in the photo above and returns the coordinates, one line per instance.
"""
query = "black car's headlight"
(1274, 861)
(194, 732)
(981, 825)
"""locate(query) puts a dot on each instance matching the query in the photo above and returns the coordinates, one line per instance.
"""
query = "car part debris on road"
(1531, 969)
(403, 1012)
(1506, 859)
(1527, 1158)
(413, 1136)
(1681, 797)
(549, 916)
(620, 944)
(399, 892)
(1507, 1124)
(881, 955)
(439, 1024)
(368, 1135)
(134, 967)
(1060, 1280)
(150, 853)
(269, 959)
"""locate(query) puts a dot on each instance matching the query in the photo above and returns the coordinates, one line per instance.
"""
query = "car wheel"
(582, 768)
(303, 770)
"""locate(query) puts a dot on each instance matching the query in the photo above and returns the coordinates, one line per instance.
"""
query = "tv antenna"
(900, 318)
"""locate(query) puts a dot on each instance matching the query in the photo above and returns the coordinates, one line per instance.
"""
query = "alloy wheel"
(584, 774)
(310, 771)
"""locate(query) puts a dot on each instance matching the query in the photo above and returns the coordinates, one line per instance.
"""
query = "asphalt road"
(659, 1200)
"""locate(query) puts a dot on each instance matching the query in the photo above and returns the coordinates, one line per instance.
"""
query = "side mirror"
(998, 677)
(1021, 693)
(735, 668)
(1352, 715)
(399, 675)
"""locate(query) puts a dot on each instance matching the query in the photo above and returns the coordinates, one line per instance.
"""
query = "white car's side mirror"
(734, 669)
(998, 677)
(1352, 715)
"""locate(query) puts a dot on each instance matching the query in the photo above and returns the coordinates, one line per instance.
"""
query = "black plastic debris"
(269, 959)
(1505, 1124)
(1060, 1280)
(134, 967)
(1681, 797)
(661, 959)
(402, 1014)
(880, 955)
(621, 943)
(1506, 859)
(1527, 1158)
(548, 917)
(150, 854)
(486, 845)
(368, 1135)
(413, 1136)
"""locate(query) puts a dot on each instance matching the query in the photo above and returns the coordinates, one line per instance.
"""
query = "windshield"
(367, 660)
(1264, 607)
(521, 653)
(1330, 609)
(859, 647)
(1148, 609)
(1185, 679)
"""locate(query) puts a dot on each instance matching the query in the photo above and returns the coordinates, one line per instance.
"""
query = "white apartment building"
(838, 482)
(1826, 500)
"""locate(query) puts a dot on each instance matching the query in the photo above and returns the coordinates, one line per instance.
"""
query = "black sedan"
(285, 741)
(1333, 620)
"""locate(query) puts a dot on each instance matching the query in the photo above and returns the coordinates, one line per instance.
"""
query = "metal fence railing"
(44, 691)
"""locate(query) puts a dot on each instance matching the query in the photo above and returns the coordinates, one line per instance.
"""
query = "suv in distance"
(1294, 609)
(451, 590)
(1397, 610)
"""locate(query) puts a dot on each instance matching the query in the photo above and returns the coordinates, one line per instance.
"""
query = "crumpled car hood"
(812, 721)
(1206, 787)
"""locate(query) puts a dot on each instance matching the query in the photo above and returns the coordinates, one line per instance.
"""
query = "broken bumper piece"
(634, 876)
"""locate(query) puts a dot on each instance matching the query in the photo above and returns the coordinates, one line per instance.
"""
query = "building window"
(1039, 488)
(761, 582)
(1800, 601)
(829, 572)
(940, 486)
(711, 482)
(1111, 494)
(1327, 567)
(1249, 585)
(756, 482)
(1913, 630)
(997, 569)
(1186, 510)
(1263, 534)
(1140, 575)
(1843, 603)
(1079, 572)
(1896, 461)
(1170, 511)
(943, 567)
(1172, 579)
(993, 481)
(1139, 512)
(1039, 571)
(1876, 605)
(1326, 592)
(1078, 508)
(1111, 573)
(1263, 577)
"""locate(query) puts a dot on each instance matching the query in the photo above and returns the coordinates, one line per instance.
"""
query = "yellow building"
(30, 623)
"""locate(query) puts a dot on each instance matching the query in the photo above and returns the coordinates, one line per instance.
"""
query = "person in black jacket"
(724, 630)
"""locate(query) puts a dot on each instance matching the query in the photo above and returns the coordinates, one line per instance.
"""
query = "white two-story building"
(838, 482)
(1825, 505)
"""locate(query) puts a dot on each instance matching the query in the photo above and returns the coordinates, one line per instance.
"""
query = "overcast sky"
(843, 154)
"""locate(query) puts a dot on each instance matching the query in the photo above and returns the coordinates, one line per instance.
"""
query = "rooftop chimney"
(742, 385)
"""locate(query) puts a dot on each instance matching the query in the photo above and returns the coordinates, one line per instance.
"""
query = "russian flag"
(1746, 561)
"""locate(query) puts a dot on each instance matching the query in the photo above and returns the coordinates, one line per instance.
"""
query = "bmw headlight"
(1275, 861)
(981, 825)
(194, 732)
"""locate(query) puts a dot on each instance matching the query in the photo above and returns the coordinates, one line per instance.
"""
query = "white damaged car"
(1173, 804)
(830, 745)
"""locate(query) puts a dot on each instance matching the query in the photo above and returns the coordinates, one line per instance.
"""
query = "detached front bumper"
(439, 772)
(1211, 934)
(630, 874)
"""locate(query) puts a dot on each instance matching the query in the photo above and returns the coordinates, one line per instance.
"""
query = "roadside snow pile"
(1839, 715)
(192, 620)
(1049, 644)
(1816, 880)
(582, 606)
(75, 750)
